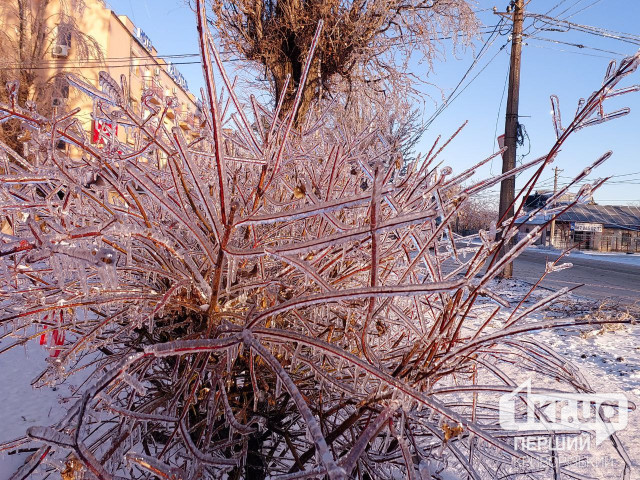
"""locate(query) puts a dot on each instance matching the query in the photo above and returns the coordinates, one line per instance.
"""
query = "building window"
(136, 61)
(134, 104)
(135, 66)
(64, 34)
(148, 80)
(61, 88)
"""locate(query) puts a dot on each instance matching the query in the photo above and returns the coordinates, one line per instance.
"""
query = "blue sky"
(548, 67)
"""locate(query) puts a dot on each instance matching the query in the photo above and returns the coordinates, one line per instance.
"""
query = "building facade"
(125, 52)
(87, 38)
(605, 228)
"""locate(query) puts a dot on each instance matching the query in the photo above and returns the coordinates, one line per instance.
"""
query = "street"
(600, 279)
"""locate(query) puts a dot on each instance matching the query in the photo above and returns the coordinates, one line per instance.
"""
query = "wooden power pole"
(552, 235)
(508, 185)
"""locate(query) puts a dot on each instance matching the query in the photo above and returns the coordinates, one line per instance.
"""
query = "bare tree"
(365, 44)
(475, 215)
(31, 30)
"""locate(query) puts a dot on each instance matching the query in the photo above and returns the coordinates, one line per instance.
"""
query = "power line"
(612, 176)
(564, 50)
(108, 61)
(569, 7)
(116, 59)
(584, 8)
(597, 31)
(626, 174)
(578, 45)
(412, 39)
(547, 13)
(556, 6)
(99, 65)
(452, 96)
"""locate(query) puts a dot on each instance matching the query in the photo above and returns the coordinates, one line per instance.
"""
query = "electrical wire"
(101, 65)
(453, 95)
(570, 7)
(577, 45)
(546, 13)
(564, 50)
(413, 39)
(584, 8)
(129, 58)
(596, 31)
(626, 174)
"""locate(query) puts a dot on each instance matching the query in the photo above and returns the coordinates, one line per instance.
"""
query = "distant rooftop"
(539, 199)
(611, 216)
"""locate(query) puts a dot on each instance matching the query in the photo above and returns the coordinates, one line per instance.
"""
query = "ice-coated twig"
(159, 469)
(372, 430)
(213, 106)
(296, 103)
(333, 470)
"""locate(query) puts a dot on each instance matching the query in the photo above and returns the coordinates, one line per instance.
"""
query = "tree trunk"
(295, 68)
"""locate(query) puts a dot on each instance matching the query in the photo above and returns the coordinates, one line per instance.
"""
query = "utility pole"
(553, 220)
(508, 185)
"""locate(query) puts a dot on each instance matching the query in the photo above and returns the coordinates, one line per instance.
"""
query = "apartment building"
(125, 50)
(147, 73)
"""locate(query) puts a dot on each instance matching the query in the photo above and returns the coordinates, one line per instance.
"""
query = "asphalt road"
(600, 279)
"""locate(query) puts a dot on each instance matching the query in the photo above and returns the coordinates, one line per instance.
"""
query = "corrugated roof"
(537, 220)
(611, 216)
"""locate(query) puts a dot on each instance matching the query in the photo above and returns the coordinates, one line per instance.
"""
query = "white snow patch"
(613, 257)
(22, 405)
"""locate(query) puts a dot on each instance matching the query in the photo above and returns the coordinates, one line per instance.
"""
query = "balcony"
(189, 121)
(174, 112)
(157, 93)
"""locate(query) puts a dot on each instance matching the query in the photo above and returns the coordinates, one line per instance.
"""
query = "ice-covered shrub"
(263, 301)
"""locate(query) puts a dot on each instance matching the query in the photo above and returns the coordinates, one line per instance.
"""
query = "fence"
(616, 243)
(624, 242)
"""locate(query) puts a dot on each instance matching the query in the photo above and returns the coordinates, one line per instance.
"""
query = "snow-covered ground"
(614, 257)
(21, 405)
(609, 359)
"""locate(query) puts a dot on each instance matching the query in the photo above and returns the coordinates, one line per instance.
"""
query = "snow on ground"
(609, 358)
(613, 257)
(21, 405)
